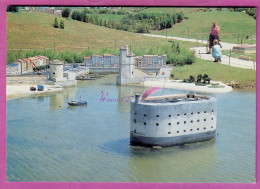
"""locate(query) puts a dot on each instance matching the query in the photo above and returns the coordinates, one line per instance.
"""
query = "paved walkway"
(201, 52)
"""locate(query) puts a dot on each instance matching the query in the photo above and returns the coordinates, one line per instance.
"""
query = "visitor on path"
(213, 35)
(216, 52)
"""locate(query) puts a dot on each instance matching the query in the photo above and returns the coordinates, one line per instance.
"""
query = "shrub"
(56, 24)
(84, 17)
(79, 16)
(199, 78)
(62, 24)
(120, 12)
(66, 12)
(74, 15)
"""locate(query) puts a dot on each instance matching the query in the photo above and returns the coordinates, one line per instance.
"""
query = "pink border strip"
(52, 185)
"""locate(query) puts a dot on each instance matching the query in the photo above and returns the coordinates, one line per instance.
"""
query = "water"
(48, 141)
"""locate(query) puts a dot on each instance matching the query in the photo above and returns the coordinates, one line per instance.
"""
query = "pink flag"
(150, 91)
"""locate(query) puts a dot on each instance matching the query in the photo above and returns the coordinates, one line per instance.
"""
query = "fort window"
(211, 127)
(169, 133)
(169, 124)
(134, 131)
(157, 124)
(178, 123)
(191, 121)
(184, 113)
(135, 120)
(190, 129)
(198, 112)
(184, 121)
(135, 113)
(184, 131)
(211, 118)
(157, 115)
(198, 120)
(144, 115)
(198, 128)
(191, 113)
(170, 116)
(144, 123)
(204, 128)
(177, 131)
(205, 112)
(204, 119)
(212, 110)
(178, 114)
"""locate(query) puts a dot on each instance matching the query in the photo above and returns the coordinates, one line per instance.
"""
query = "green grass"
(236, 55)
(217, 72)
(36, 31)
(199, 24)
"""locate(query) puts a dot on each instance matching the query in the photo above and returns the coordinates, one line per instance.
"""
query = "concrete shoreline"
(178, 84)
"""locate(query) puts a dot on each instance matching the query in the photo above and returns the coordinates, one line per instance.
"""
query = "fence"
(203, 37)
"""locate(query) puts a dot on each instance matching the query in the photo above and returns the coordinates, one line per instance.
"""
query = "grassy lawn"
(236, 55)
(232, 24)
(36, 31)
(216, 71)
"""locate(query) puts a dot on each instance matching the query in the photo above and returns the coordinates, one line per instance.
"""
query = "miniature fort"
(172, 120)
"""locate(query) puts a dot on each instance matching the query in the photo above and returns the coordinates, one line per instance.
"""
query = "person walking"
(213, 35)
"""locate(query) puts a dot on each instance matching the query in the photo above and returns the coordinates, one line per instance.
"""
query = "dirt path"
(201, 52)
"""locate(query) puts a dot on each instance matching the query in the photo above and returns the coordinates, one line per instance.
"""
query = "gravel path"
(201, 52)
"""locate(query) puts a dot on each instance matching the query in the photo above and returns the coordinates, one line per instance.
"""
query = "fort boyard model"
(172, 120)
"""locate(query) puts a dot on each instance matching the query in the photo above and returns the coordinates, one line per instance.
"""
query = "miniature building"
(28, 64)
(13, 69)
(150, 61)
(56, 70)
(109, 60)
(244, 49)
(172, 120)
(126, 65)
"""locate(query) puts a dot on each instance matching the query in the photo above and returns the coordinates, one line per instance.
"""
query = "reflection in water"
(186, 161)
(57, 100)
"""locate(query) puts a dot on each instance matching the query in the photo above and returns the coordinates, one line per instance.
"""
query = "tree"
(56, 24)
(180, 16)
(13, 9)
(66, 12)
(62, 24)
(174, 18)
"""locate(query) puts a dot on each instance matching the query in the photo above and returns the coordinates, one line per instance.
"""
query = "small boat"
(77, 103)
(32, 88)
(83, 77)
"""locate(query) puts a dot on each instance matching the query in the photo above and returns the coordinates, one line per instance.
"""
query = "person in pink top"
(213, 35)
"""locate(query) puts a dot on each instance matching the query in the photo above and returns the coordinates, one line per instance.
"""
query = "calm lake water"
(49, 141)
